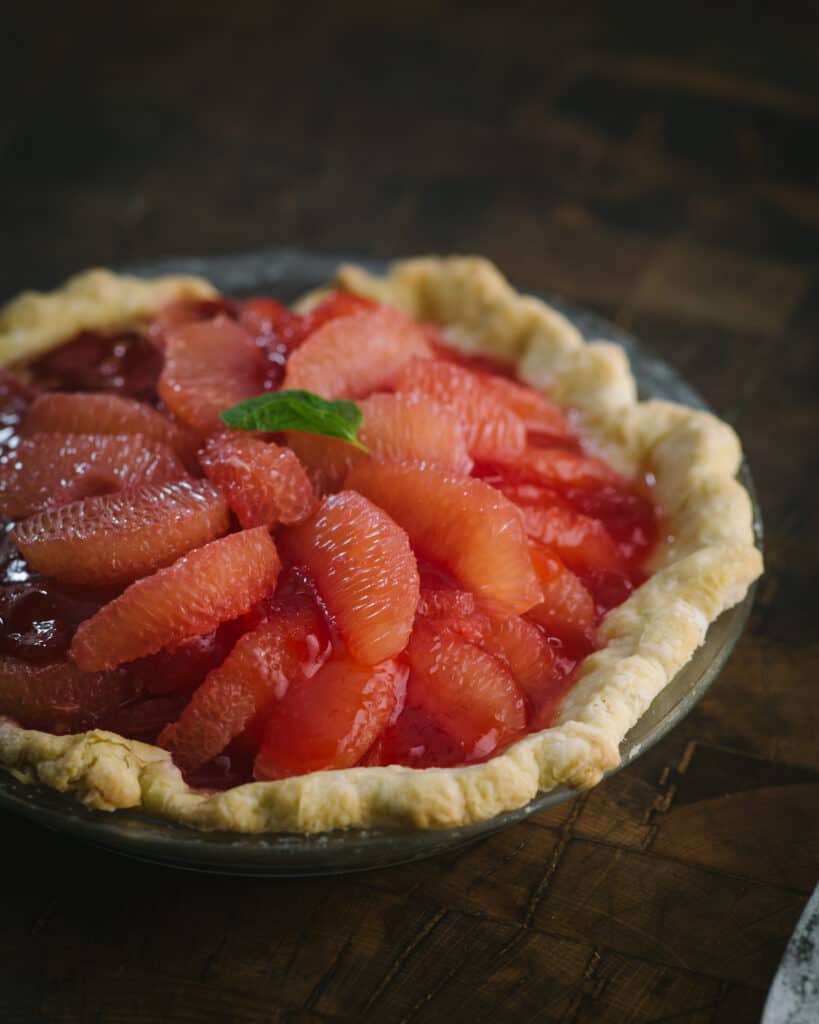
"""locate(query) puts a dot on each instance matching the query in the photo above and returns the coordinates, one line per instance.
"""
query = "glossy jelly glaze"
(374, 648)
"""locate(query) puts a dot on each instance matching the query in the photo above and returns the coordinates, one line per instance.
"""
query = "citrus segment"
(582, 542)
(211, 585)
(209, 366)
(263, 483)
(257, 671)
(567, 609)
(559, 467)
(469, 693)
(331, 720)
(351, 356)
(492, 430)
(463, 524)
(186, 311)
(364, 570)
(116, 538)
(525, 649)
(48, 470)
(539, 415)
(90, 413)
(395, 428)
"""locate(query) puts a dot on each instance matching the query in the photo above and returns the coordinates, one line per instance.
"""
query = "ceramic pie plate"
(286, 274)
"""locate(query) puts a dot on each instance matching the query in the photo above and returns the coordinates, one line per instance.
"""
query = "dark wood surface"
(658, 165)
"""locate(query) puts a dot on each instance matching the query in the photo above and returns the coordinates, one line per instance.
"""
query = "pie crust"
(705, 567)
(35, 322)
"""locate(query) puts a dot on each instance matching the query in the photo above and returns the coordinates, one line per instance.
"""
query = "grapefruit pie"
(404, 554)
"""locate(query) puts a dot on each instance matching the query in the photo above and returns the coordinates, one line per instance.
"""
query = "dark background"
(657, 163)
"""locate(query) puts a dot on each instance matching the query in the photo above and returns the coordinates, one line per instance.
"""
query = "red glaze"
(15, 398)
(124, 363)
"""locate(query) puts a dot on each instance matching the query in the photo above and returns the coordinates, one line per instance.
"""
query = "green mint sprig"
(297, 410)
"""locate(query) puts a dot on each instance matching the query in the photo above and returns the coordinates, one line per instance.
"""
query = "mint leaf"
(297, 410)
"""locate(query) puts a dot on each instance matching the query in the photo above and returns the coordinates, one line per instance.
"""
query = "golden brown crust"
(35, 322)
(706, 567)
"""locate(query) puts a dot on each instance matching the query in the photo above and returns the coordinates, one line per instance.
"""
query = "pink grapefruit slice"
(395, 428)
(331, 720)
(94, 413)
(351, 356)
(211, 585)
(209, 366)
(460, 523)
(116, 538)
(364, 571)
(48, 470)
(264, 484)
(492, 430)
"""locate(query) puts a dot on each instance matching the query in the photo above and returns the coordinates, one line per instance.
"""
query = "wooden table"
(654, 165)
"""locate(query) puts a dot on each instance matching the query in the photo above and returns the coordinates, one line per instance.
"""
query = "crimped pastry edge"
(706, 568)
(97, 299)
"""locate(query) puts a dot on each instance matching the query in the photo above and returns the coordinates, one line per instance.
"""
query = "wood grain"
(653, 163)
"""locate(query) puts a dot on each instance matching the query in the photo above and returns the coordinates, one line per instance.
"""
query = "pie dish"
(706, 566)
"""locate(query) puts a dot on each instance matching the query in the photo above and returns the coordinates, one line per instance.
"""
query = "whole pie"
(404, 554)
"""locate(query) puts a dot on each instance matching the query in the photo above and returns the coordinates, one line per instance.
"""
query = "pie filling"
(269, 604)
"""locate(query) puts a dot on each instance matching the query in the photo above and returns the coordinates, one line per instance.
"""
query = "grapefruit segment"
(331, 720)
(184, 311)
(518, 642)
(492, 430)
(257, 672)
(583, 543)
(364, 571)
(539, 415)
(209, 366)
(264, 484)
(94, 413)
(413, 428)
(441, 604)
(333, 306)
(351, 356)
(395, 428)
(48, 470)
(278, 330)
(470, 694)
(268, 321)
(561, 468)
(527, 652)
(214, 583)
(567, 610)
(278, 327)
(462, 524)
(630, 518)
(116, 538)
